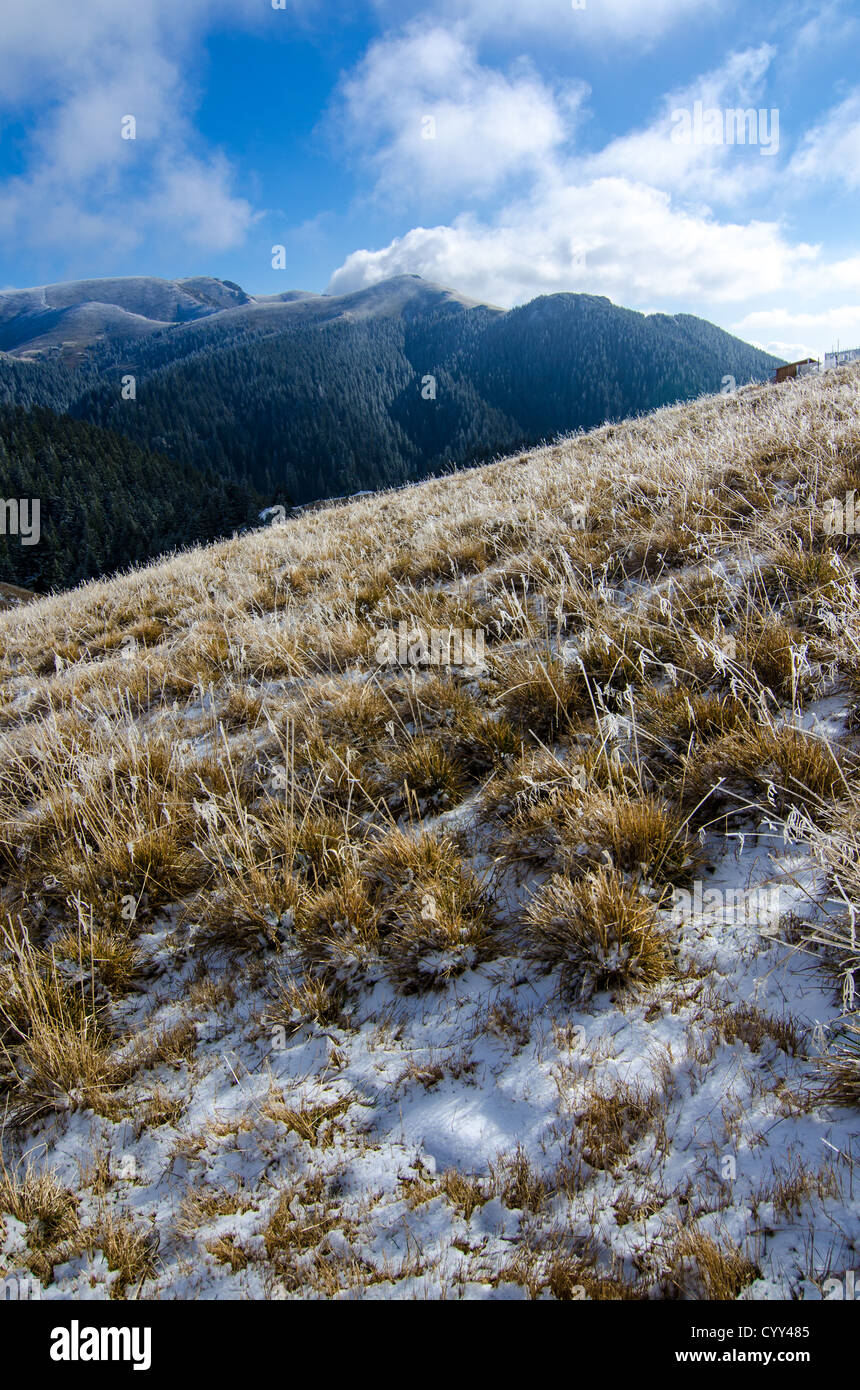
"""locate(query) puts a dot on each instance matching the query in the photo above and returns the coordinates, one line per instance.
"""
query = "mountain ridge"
(291, 399)
(31, 319)
(149, 304)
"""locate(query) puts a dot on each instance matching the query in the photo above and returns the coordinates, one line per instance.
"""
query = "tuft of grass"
(130, 1251)
(789, 765)
(425, 773)
(841, 1067)
(520, 1186)
(811, 574)
(484, 741)
(703, 1269)
(302, 1221)
(599, 932)
(679, 717)
(749, 1024)
(313, 1123)
(614, 1121)
(202, 1205)
(310, 999)
(436, 918)
(54, 1046)
(441, 928)
(99, 950)
(538, 692)
(355, 713)
(39, 1200)
(571, 1278)
(465, 1191)
(337, 932)
(573, 830)
(773, 654)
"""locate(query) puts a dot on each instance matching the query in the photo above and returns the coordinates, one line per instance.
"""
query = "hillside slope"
(449, 894)
(311, 396)
(79, 314)
(386, 386)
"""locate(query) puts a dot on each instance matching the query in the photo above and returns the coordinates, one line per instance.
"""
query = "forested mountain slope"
(296, 397)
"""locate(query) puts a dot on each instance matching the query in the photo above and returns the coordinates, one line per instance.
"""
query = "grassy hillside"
(331, 971)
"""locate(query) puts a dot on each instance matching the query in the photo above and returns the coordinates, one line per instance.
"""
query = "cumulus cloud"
(633, 222)
(794, 334)
(612, 237)
(426, 117)
(647, 221)
(97, 62)
(716, 172)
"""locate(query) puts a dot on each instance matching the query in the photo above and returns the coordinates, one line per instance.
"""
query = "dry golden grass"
(442, 930)
(783, 765)
(540, 694)
(210, 756)
(703, 1269)
(338, 933)
(424, 774)
(841, 1066)
(614, 1121)
(599, 932)
(313, 1123)
(573, 830)
(303, 1218)
(520, 1186)
(753, 1026)
(465, 1192)
(47, 1208)
(55, 1050)
(130, 1251)
(304, 1001)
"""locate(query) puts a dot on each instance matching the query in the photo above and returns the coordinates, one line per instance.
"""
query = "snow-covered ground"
(496, 1071)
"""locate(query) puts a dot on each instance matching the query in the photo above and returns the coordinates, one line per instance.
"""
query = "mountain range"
(245, 400)
(68, 318)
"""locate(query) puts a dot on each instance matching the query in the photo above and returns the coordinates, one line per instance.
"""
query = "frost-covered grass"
(329, 975)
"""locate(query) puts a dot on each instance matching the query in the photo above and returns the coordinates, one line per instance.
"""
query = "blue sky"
(505, 147)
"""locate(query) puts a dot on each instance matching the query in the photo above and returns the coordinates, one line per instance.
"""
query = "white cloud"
(637, 247)
(634, 222)
(641, 20)
(82, 183)
(795, 334)
(428, 119)
(718, 172)
(830, 153)
(831, 27)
